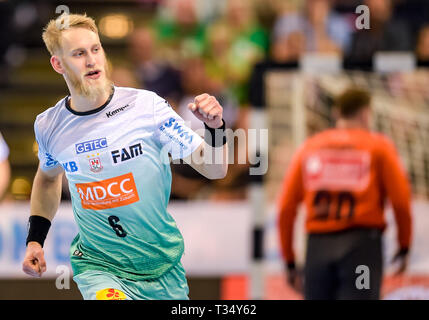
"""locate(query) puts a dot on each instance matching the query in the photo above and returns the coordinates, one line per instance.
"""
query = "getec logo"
(91, 145)
(110, 193)
(127, 153)
(116, 111)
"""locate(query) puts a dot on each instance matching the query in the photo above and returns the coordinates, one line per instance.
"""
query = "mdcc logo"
(110, 193)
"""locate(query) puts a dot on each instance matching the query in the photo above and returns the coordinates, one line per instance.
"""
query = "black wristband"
(291, 266)
(215, 137)
(403, 251)
(38, 228)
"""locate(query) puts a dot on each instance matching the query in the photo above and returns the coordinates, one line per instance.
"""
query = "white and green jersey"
(116, 161)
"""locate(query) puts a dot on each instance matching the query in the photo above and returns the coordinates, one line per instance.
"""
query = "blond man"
(113, 144)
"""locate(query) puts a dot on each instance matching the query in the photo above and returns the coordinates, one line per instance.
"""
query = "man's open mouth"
(93, 74)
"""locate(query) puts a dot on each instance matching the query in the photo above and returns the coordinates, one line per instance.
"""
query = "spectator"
(324, 30)
(178, 27)
(285, 53)
(248, 44)
(152, 73)
(385, 33)
(187, 184)
(422, 49)
(124, 77)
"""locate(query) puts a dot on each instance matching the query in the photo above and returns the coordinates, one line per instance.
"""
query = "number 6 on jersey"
(113, 221)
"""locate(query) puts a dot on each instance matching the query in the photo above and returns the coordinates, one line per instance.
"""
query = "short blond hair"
(52, 32)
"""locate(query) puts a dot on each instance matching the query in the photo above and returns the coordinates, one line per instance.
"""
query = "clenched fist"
(207, 109)
(34, 261)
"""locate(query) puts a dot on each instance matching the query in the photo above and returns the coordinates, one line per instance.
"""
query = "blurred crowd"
(226, 47)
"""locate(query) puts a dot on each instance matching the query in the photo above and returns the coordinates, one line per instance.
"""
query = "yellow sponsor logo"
(110, 294)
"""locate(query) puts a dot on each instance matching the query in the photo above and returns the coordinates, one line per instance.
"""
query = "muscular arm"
(290, 196)
(45, 199)
(46, 193)
(210, 162)
(399, 192)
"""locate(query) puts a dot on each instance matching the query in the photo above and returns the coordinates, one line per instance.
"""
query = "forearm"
(215, 161)
(286, 231)
(45, 195)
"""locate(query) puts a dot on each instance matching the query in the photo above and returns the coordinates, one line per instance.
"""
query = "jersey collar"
(85, 113)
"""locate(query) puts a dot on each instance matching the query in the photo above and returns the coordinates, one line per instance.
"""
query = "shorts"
(101, 285)
(332, 261)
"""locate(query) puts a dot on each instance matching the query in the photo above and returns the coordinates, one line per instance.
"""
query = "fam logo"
(125, 154)
(95, 163)
(177, 128)
(91, 145)
(116, 111)
(70, 166)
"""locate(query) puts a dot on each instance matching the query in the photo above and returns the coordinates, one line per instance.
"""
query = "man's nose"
(90, 61)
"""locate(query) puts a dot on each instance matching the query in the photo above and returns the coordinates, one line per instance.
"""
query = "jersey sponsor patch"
(174, 131)
(70, 166)
(127, 153)
(50, 161)
(95, 163)
(78, 253)
(337, 170)
(110, 294)
(110, 193)
(116, 111)
(91, 145)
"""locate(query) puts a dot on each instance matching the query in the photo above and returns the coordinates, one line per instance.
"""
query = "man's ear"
(57, 65)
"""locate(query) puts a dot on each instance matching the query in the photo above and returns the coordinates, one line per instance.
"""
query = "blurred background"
(273, 64)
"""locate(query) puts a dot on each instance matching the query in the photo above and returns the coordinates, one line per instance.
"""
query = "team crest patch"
(110, 294)
(95, 163)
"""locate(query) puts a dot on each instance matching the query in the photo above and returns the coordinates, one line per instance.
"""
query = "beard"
(85, 88)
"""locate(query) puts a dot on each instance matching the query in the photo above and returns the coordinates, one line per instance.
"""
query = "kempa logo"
(116, 111)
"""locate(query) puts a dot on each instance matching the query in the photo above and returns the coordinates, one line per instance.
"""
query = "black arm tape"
(290, 265)
(38, 229)
(215, 137)
(403, 251)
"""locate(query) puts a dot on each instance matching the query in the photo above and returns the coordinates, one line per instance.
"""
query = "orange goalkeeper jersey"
(344, 176)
